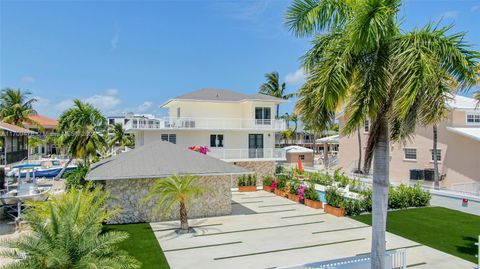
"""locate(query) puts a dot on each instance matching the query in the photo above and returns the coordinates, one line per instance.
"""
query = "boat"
(44, 169)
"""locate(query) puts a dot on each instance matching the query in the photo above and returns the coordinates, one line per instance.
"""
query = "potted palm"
(247, 183)
(312, 199)
(335, 202)
(267, 183)
(175, 190)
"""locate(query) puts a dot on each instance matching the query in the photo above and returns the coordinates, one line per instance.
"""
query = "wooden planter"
(268, 188)
(313, 204)
(337, 212)
(247, 188)
(293, 197)
(280, 192)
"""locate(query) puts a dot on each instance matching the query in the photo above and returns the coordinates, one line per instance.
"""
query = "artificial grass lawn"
(447, 230)
(142, 244)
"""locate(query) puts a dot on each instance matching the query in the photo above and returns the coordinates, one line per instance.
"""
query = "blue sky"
(133, 55)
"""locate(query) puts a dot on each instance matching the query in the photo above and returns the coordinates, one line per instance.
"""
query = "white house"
(235, 127)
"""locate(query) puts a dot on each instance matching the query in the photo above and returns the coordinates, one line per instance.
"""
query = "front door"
(255, 145)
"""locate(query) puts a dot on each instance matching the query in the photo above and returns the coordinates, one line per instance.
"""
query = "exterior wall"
(460, 162)
(261, 169)
(128, 194)
(293, 158)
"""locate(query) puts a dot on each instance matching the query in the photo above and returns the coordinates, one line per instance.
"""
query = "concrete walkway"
(266, 231)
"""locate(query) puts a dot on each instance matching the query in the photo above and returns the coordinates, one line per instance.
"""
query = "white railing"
(395, 259)
(205, 123)
(243, 154)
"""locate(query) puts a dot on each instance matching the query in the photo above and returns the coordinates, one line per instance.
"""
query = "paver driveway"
(266, 231)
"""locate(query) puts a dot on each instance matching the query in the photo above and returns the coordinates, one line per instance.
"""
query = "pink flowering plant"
(274, 185)
(301, 192)
(201, 149)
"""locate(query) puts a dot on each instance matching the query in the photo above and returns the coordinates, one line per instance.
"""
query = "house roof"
(334, 139)
(297, 149)
(158, 160)
(14, 128)
(469, 132)
(462, 103)
(44, 120)
(223, 95)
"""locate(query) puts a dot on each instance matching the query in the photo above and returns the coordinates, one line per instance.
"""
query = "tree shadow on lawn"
(469, 248)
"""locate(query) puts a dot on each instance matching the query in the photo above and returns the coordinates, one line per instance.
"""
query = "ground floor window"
(439, 155)
(216, 140)
(301, 157)
(410, 154)
(172, 138)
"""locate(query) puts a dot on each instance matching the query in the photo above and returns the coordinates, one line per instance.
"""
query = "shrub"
(367, 200)
(282, 182)
(76, 178)
(294, 185)
(354, 207)
(247, 180)
(334, 198)
(322, 179)
(280, 170)
(267, 180)
(311, 193)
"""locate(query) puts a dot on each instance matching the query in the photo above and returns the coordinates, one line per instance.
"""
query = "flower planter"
(314, 204)
(268, 189)
(280, 192)
(293, 197)
(247, 188)
(337, 212)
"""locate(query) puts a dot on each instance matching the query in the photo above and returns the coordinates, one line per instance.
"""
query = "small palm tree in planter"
(247, 183)
(312, 199)
(268, 183)
(172, 190)
(335, 202)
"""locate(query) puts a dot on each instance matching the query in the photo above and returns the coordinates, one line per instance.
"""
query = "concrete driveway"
(266, 231)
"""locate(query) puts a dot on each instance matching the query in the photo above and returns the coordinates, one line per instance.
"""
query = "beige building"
(294, 154)
(458, 144)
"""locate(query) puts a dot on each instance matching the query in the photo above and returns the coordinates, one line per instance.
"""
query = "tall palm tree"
(119, 137)
(172, 191)
(16, 107)
(81, 127)
(67, 232)
(395, 75)
(273, 88)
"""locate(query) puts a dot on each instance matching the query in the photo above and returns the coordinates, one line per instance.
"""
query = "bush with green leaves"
(405, 196)
(280, 170)
(76, 178)
(311, 193)
(324, 179)
(267, 180)
(247, 180)
(334, 197)
(282, 181)
(294, 185)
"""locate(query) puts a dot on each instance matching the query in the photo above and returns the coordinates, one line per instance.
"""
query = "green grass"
(447, 230)
(142, 244)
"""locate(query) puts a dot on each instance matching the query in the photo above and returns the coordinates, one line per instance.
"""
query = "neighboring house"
(13, 143)
(123, 120)
(49, 126)
(129, 176)
(458, 148)
(294, 154)
(235, 127)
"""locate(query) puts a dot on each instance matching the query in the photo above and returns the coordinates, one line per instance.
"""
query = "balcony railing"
(205, 123)
(244, 154)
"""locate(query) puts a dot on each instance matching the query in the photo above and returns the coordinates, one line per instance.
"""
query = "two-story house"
(235, 127)
(458, 148)
(48, 127)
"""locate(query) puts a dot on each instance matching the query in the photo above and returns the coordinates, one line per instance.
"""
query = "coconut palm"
(67, 232)
(172, 191)
(16, 107)
(119, 137)
(396, 78)
(273, 88)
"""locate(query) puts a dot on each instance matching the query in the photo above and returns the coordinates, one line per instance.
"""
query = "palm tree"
(119, 137)
(395, 74)
(273, 88)
(81, 128)
(172, 190)
(67, 232)
(16, 107)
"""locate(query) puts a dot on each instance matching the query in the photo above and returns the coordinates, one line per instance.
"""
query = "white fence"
(205, 123)
(395, 259)
(241, 154)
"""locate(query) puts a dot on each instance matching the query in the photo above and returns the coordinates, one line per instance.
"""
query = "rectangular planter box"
(338, 212)
(280, 192)
(267, 189)
(293, 197)
(314, 204)
(247, 188)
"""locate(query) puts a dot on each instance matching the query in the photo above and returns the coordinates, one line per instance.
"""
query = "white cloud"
(105, 101)
(27, 79)
(296, 77)
(243, 10)
(146, 106)
(115, 38)
(64, 105)
(475, 8)
(452, 14)
(42, 102)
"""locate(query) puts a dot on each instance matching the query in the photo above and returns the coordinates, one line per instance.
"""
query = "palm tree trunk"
(278, 111)
(359, 168)
(314, 144)
(59, 176)
(435, 157)
(85, 154)
(183, 217)
(380, 195)
(325, 155)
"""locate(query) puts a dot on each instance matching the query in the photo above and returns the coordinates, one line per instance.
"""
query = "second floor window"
(263, 115)
(473, 118)
(216, 141)
(439, 155)
(111, 121)
(172, 138)
(410, 154)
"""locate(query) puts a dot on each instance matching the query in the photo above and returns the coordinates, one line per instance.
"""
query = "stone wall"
(261, 168)
(127, 195)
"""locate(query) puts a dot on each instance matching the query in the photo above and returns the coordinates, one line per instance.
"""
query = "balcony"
(275, 154)
(205, 124)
